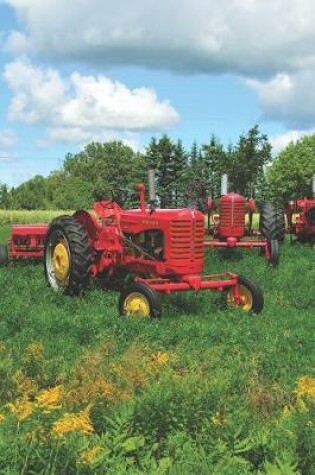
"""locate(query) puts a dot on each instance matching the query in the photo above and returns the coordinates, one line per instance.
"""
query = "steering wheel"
(119, 195)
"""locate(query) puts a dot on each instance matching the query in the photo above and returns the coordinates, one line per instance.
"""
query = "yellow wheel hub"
(61, 261)
(137, 305)
(246, 298)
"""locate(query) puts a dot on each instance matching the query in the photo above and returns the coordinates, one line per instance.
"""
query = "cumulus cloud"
(78, 107)
(289, 98)
(246, 36)
(81, 136)
(280, 141)
(17, 41)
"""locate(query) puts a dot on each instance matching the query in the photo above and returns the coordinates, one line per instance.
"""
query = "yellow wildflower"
(21, 409)
(217, 419)
(161, 358)
(71, 422)
(88, 456)
(306, 387)
(2, 417)
(50, 399)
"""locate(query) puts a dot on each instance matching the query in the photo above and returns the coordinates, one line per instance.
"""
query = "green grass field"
(203, 390)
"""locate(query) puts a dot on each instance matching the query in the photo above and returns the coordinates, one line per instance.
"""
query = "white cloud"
(18, 42)
(78, 108)
(81, 136)
(7, 139)
(270, 42)
(280, 141)
(246, 36)
(289, 98)
(37, 93)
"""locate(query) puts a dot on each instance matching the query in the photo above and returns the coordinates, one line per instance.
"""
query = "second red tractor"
(227, 227)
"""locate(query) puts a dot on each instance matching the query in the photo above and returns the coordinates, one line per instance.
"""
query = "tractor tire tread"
(271, 222)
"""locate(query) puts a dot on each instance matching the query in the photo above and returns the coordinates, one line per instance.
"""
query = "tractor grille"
(187, 240)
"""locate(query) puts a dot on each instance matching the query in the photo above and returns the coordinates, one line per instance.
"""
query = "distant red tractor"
(228, 228)
(301, 218)
(162, 249)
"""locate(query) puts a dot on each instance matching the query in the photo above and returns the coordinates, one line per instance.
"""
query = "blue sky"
(73, 72)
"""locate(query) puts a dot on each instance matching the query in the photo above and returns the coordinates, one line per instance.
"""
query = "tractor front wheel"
(4, 255)
(251, 296)
(140, 301)
(67, 256)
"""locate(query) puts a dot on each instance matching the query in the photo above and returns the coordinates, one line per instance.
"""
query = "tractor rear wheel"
(273, 252)
(252, 299)
(4, 255)
(272, 222)
(140, 301)
(67, 256)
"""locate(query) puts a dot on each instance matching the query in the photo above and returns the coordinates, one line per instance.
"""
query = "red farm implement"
(227, 226)
(161, 249)
(26, 241)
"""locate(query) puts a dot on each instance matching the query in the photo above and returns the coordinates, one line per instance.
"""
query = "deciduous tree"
(290, 175)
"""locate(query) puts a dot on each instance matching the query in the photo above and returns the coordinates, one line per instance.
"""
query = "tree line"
(183, 177)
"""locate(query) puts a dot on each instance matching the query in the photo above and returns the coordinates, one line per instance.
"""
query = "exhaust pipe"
(152, 194)
(224, 184)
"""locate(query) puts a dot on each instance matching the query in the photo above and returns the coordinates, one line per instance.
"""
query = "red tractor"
(301, 218)
(228, 228)
(162, 249)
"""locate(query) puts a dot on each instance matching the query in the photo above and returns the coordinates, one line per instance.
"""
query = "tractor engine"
(146, 244)
(170, 241)
(232, 216)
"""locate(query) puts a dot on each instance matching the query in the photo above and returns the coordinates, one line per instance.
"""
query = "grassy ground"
(202, 390)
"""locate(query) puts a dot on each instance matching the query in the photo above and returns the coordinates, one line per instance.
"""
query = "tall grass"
(26, 217)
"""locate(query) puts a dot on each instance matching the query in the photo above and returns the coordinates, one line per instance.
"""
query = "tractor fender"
(91, 224)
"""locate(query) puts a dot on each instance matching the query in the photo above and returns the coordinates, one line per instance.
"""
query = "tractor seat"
(105, 209)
